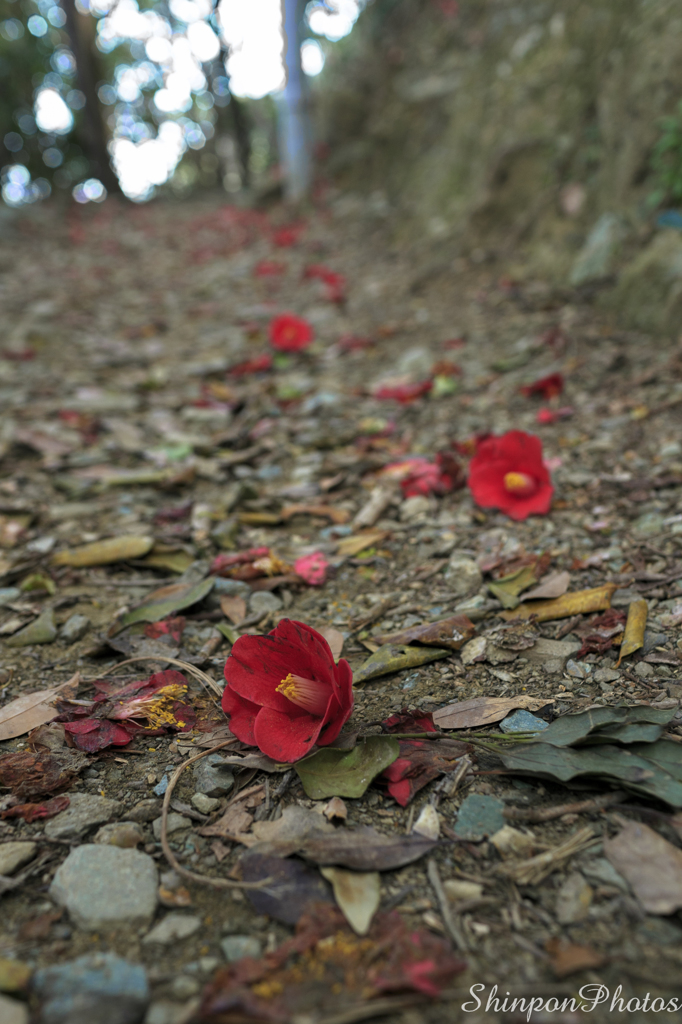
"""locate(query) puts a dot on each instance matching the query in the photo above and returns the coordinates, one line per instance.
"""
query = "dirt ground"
(118, 328)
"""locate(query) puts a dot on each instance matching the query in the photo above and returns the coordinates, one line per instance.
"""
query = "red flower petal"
(242, 715)
(289, 333)
(284, 737)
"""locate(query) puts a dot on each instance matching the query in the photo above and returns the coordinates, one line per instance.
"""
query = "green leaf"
(507, 588)
(394, 657)
(164, 602)
(652, 769)
(603, 725)
(331, 772)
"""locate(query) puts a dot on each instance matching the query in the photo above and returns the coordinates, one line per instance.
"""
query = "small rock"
(42, 630)
(98, 989)
(176, 822)
(236, 947)
(574, 899)
(204, 804)
(74, 628)
(104, 887)
(13, 1012)
(413, 507)
(474, 650)
(83, 812)
(163, 1011)
(124, 834)
(522, 721)
(14, 854)
(456, 889)
(428, 822)
(578, 669)
(648, 525)
(624, 597)
(8, 594)
(172, 928)
(606, 675)
(511, 842)
(548, 653)
(184, 987)
(603, 872)
(145, 810)
(479, 816)
(675, 690)
(653, 640)
(264, 601)
(644, 670)
(212, 776)
(463, 575)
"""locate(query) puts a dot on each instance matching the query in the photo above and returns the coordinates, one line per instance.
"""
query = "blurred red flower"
(508, 473)
(546, 416)
(419, 476)
(547, 387)
(257, 364)
(268, 268)
(284, 692)
(335, 284)
(289, 333)
(403, 393)
(312, 568)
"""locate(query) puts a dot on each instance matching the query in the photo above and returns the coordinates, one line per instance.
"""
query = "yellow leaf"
(102, 552)
(580, 602)
(633, 637)
(358, 542)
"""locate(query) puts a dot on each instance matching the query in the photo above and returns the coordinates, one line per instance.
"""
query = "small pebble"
(236, 947)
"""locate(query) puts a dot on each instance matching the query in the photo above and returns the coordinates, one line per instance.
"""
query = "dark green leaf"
(331, 772)
(164, 602)
(603, 725)
(394, 657)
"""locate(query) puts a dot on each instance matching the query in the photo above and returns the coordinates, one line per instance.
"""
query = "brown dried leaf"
(468, 714)
(33, 709)
(233, 608)
(568, 958)
(651, 865)
(358, 542)
(28, 773)
(450, 633)
(335, 639)
(552, 586)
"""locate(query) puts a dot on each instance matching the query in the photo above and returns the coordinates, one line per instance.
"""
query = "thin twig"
(217, 883)
(448, 917)
(597, 803)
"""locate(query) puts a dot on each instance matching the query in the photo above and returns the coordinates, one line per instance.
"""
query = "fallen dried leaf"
(633, 637)
(357, 894)
(103, 552)
(33, 709)
(579, 602)
(449, 633)
(651, 865)
(469, 714)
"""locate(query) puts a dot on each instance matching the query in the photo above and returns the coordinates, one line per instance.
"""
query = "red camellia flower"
(289, 333)
(404, 393)
(284, 693)
(508, 473)
(547, 387)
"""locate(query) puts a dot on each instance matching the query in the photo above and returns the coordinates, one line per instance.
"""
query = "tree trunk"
(292, 109)
(81, 40)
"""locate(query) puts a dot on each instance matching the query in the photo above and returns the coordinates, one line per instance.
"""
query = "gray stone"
(236, 947)
(74, 628)
(648, 525)
(602, 871)
(42, 630)
(653, 640)
(413, 507)
(204, 804)
(264, 601)
(173, 928)
(176, 822)
(8, 594)
(522, 721)
(13, 1012)
(98, 989)
(479, 816)
(184, 987)
(573, 899)
(606, 675)
(621, 598)
(105, 887)
(124, 834)
(163, 1011)
(659, 932)
(551, 655)
(14, 854)
(595, 259)
(212, 776)
(463, 575)
(578, 669)
(649, 293)
(644, 670)
(84, 811)
(145, 810)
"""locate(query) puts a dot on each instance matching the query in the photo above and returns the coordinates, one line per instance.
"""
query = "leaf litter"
(204, 505)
